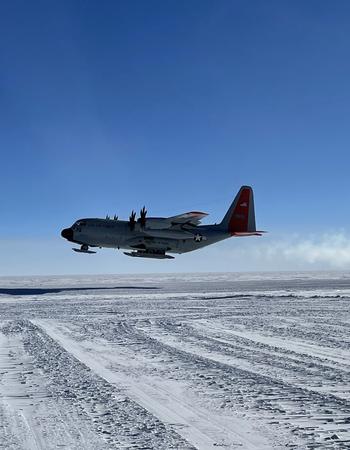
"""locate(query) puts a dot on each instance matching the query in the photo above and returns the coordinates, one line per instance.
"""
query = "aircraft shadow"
(42, 291)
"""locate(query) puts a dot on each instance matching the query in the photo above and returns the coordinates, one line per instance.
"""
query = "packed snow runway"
(206, 361)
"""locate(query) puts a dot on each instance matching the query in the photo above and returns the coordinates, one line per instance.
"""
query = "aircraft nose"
(67, 233)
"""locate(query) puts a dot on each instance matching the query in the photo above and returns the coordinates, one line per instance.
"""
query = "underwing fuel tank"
(148, 255)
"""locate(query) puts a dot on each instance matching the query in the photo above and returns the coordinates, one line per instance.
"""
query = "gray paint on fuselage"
(118, 234)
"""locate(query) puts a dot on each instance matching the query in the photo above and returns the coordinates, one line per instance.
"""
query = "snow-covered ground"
(206, 361)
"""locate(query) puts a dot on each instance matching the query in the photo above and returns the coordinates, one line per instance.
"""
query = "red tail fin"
(240, 218)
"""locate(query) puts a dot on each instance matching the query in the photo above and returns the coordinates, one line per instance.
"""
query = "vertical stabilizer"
(240, 217)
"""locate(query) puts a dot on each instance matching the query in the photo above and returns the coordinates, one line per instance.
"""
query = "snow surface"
(206, 361)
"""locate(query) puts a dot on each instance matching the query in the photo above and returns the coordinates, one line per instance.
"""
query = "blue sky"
(106, 106)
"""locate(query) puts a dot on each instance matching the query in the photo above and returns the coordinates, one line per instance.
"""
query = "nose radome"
(67, 233)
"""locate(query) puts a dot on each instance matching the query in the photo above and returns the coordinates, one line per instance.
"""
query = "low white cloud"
(324, 251)
(330, 249)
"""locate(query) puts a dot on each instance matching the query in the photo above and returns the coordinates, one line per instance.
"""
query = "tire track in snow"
(234, 383)
(327, 415)
(165, 400)
(31, 419)
(319, 369)
(116, 420)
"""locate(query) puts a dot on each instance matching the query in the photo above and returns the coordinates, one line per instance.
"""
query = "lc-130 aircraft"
(155, 237)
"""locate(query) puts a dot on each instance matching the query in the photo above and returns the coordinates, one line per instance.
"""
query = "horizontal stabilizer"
(248, 233)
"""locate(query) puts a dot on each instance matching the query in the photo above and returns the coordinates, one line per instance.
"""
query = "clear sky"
(109, 105)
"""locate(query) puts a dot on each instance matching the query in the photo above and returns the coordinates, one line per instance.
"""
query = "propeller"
(142, 219)
(132, 220)
(107, 217)
(115, 217)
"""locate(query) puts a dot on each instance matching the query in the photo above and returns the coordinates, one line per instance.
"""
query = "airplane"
(156, 237)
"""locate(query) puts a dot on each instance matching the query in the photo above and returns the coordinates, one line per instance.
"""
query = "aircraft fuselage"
(118, 234)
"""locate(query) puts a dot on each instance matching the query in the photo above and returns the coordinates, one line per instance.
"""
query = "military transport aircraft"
(155, 237)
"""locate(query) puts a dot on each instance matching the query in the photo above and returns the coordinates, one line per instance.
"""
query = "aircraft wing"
(173, 223)
(190, 218)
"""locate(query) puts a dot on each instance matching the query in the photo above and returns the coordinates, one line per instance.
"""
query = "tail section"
(240, 217)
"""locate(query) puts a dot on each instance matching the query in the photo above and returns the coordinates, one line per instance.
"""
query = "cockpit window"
(77, 226)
